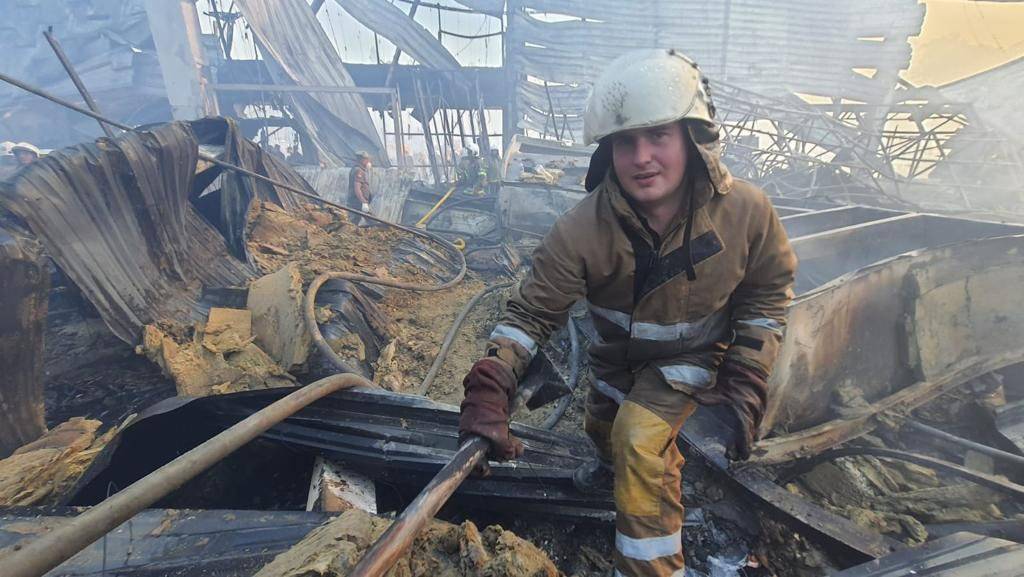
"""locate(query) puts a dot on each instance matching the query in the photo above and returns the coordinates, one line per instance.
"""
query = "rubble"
(217, 357)
(44, 471)
(441, 550)
(420, 321)
(275, 301)
(319, 240)
(897, 310)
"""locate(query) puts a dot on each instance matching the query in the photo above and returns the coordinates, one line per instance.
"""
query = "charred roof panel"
(392, 23)
(298, 52)
(958, 555)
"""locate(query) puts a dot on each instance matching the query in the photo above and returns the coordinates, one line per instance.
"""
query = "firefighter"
(359, 195)
(25, 153)
(471, 174)
(687, 273)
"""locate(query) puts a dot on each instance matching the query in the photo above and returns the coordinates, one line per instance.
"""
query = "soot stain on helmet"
(615, 102)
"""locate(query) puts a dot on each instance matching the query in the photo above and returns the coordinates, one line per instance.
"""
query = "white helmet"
(27, 147)
(646, 88)
(472, 150)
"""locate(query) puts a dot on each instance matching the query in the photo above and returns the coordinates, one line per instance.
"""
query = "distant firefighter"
(359, 195)
(25, 153)
(471, 173)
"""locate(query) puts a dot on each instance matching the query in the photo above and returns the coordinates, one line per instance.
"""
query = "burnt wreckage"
(240, 285)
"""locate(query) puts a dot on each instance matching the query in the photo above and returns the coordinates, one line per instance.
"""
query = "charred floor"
(197, 254)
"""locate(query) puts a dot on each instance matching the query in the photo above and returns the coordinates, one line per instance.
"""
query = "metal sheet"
(860, 329)
(398, 440)
(807, 223)
(171, 543)
(391, 22)
(297, 51)
(958, 555)
(117, 219)
(174, 25)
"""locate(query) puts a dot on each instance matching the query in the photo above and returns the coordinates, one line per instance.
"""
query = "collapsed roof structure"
(811, 99)
(174, 254)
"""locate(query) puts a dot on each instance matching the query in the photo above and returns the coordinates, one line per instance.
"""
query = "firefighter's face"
(25, 156)
(650, 162)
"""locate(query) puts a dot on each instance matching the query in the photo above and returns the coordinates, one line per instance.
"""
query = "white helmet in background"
(646, 88)
(472, 149)
(26, 147)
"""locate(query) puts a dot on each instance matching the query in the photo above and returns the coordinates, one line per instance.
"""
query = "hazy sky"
(962, 37)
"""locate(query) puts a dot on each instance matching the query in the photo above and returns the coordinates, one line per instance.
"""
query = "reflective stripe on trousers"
(647, 462)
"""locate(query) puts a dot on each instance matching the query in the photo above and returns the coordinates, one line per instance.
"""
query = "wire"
(574, 377)
(453, 332)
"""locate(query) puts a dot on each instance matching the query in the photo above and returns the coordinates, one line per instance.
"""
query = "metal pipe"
(50, 550)
(990, 451)
(59, 51)
(383, 554)
(400, 535)
(422, 223)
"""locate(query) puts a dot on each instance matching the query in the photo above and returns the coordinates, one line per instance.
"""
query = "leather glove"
(489, 388)
(745, 392)
(366, 207)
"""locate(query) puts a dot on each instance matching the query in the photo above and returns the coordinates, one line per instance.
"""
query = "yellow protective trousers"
(635, 429)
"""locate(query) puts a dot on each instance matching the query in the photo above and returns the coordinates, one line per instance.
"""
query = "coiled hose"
(309, 308)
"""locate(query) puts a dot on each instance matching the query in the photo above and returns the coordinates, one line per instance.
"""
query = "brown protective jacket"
(646, 310)
(359, 186)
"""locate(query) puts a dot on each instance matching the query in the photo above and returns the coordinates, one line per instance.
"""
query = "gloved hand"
(366, 207)
(745, 392)
(489, 387)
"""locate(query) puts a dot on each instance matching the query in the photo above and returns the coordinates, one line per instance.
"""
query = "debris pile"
(441, 550)
(45, 470)
(909, 501)
(215, 357)
(420, 321)
(318, 240)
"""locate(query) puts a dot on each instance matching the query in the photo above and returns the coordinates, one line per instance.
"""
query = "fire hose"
(453, 332)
